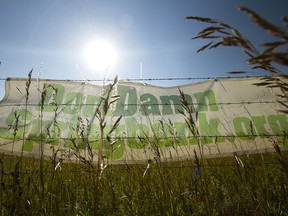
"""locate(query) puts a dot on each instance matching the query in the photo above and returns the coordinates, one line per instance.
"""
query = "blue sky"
(49, 36)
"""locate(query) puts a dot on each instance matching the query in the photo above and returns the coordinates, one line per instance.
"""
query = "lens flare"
(100, 55)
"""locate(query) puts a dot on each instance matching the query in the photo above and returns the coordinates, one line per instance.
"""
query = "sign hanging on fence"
(215, 117)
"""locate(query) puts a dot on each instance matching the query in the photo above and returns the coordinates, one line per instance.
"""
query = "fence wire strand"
(155, 104)
(123, 167)
(143, 79)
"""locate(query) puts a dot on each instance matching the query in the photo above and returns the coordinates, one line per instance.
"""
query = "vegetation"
(274, 52)
(239, 185)
(257, 186)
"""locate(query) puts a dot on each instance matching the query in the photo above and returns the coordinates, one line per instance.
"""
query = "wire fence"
(150, 104)
(123, 167)
(143, 138)
(143, 79)
(154, 104)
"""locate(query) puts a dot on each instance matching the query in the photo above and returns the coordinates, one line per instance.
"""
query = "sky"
(50, 38)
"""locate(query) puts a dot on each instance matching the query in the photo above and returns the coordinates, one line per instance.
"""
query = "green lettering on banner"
(259, 122)
(76, 123)
(209, 129)
(133, 130)
(115, 151)
(182, 133)
(202, 98)
(149, 105)
(278, 124)
(73, 102)
(22, 114)
(162, 134)
(47, 128)
(47, 131)
(91, 103)
(167, 106)
(54, 97)
(92, 133)
(75, 134)
(36, 129)
(12, 123)
(127, 103)
(244, 128)
(111, 152)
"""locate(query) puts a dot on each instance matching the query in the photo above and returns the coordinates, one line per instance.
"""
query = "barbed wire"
(139, 79)
(143, 167)
(147, 138)
(144, 79)
(141, 104)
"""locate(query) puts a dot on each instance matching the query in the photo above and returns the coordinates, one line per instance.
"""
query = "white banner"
(58, 117)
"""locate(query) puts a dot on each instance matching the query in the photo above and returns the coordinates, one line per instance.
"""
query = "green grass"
(222, 187)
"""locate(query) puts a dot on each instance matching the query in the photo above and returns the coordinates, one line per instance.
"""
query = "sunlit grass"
(210, 187)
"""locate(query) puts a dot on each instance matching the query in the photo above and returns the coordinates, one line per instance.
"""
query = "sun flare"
(100, 55)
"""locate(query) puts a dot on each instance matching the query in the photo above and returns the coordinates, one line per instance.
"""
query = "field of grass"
(256, 185)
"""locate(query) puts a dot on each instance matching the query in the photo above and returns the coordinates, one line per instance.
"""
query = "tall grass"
(217, 187)
(265, 56)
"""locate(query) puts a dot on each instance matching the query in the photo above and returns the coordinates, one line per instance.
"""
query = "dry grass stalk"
(191, 117)
(223, 34)
(27, 87)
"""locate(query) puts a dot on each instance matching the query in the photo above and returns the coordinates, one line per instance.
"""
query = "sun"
(99, 55)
